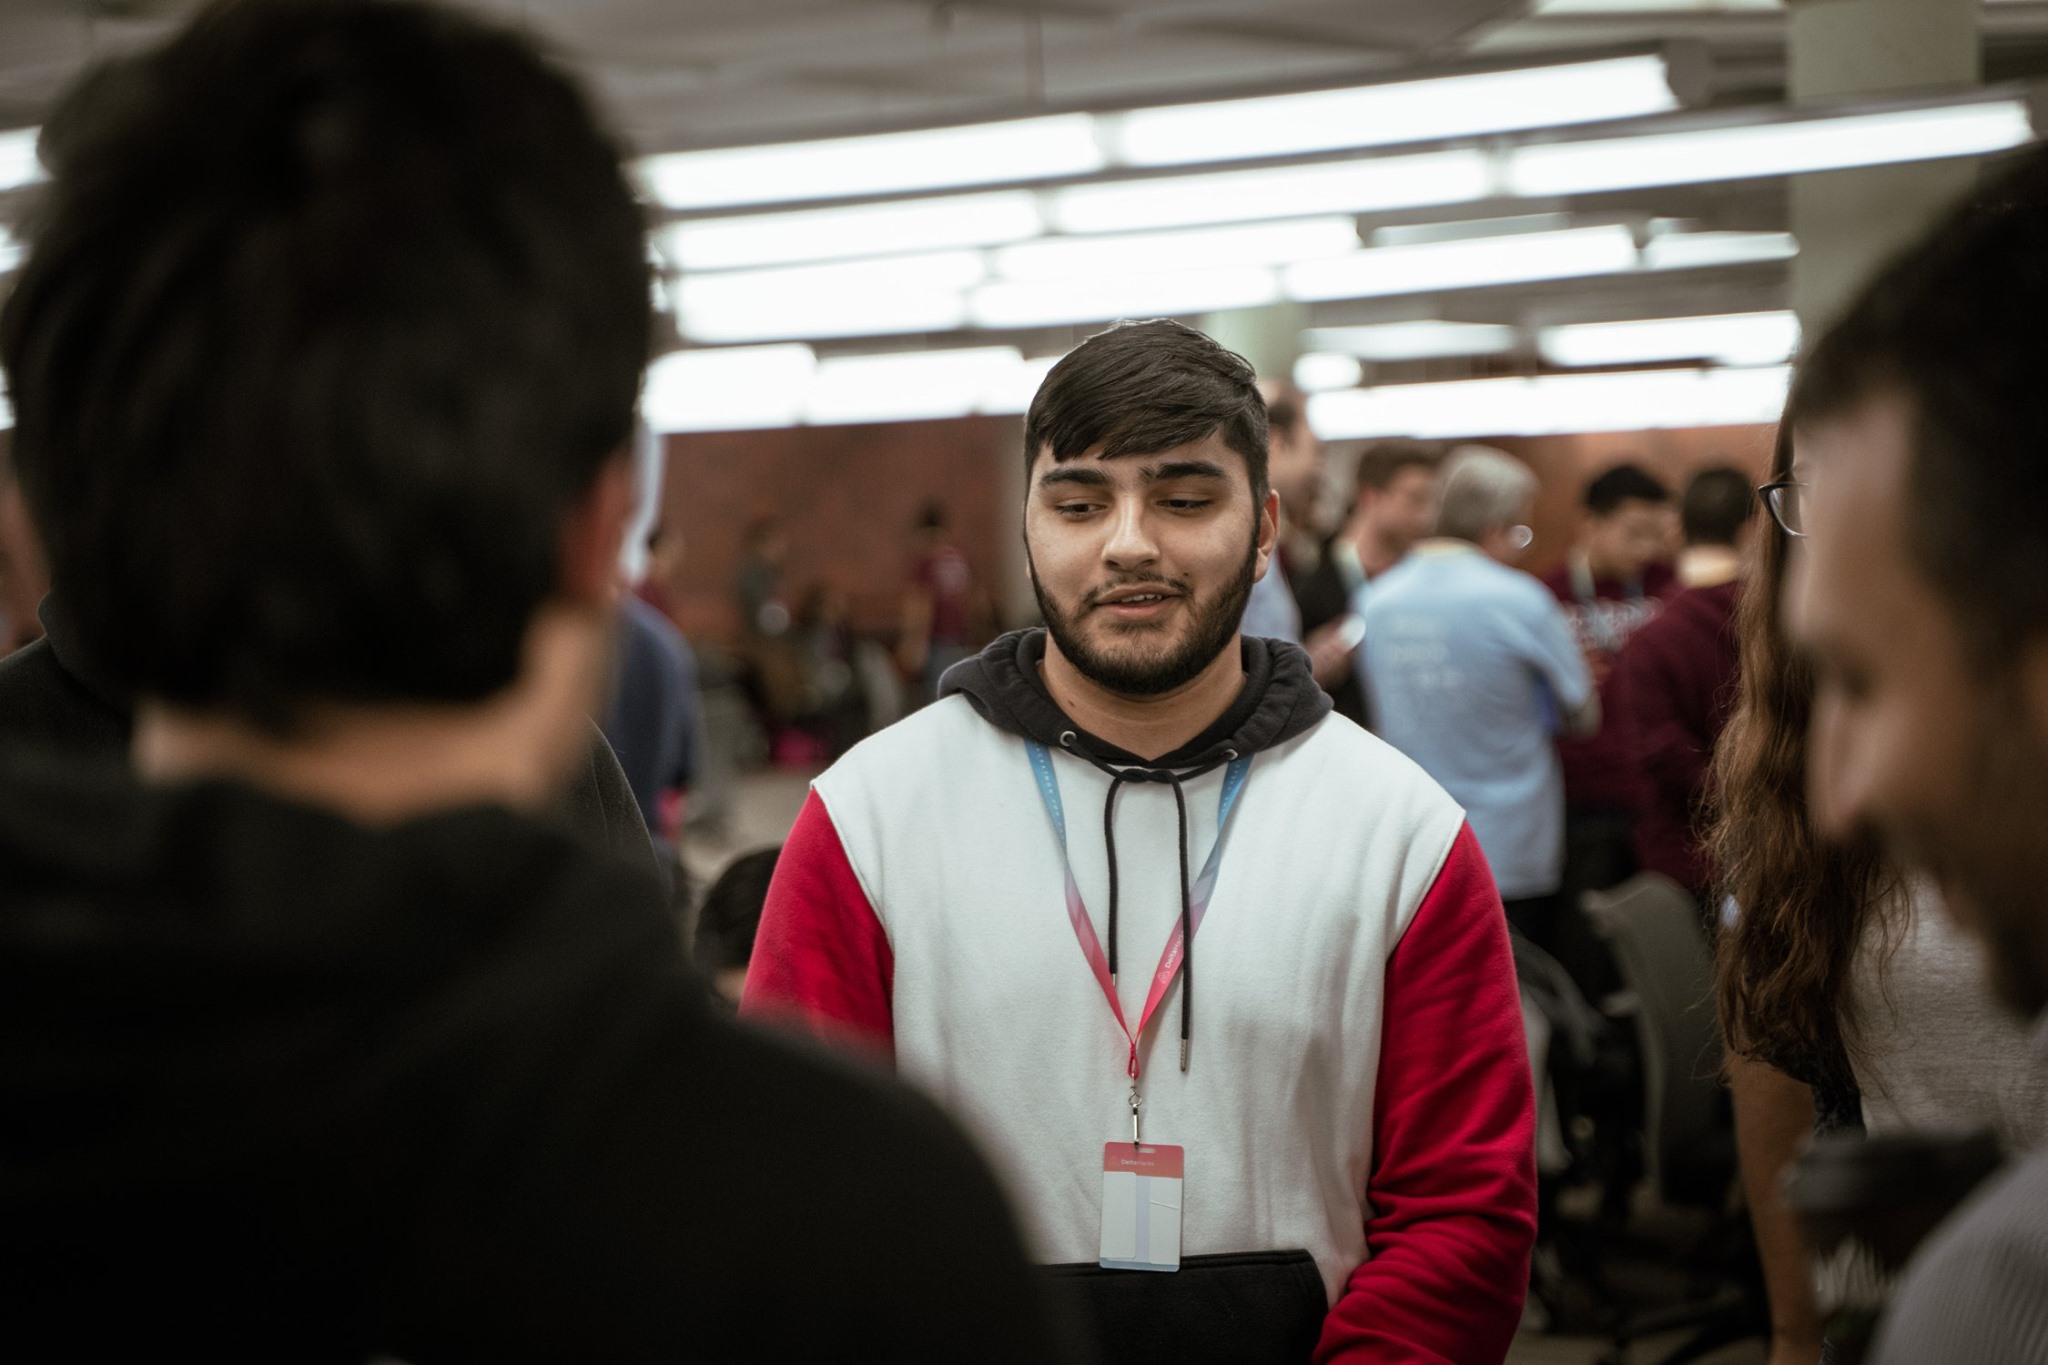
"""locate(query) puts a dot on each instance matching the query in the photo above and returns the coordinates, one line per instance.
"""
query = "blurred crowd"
(351, 730)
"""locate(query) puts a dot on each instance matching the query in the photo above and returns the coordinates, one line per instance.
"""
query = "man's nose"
(1836, 795)
(1131, 542)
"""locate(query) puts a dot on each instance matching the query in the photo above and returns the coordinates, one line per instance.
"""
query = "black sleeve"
(599, 807)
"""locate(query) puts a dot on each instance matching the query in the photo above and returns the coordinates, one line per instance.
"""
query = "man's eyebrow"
(1073, 474)
(1184, 469)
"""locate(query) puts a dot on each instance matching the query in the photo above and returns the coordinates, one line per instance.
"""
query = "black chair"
(1653, 927)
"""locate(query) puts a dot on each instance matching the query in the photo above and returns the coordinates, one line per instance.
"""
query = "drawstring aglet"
(1183, 1054)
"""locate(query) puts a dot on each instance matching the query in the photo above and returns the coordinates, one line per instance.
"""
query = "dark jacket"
(51, 697)
(279, 1087)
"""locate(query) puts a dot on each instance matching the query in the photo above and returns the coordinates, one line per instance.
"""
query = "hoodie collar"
(62, 633)
(1279, 700)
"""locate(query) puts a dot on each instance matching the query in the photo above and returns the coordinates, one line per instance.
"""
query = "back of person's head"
(1380, 463)
(1482, 490)
(1954, 328)
(1623, 483)
(731, 915)
(1716, 505)
(334, 310)
(1144, 387)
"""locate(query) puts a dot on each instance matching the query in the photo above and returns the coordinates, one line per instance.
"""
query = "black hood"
(1280, 700)
(62, 633)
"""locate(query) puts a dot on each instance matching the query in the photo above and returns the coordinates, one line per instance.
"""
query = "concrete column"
(1850, 222)
(1269, 337)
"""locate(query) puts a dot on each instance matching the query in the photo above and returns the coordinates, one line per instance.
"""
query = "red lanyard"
(1084, 928)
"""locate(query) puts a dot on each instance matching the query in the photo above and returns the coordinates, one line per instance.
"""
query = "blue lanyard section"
(1205, 882)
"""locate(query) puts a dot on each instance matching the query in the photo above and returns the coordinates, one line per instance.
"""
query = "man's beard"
(1991, 859)
(1140, 673)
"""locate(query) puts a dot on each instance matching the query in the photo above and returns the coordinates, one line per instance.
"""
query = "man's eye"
(1074, 509)
(1187, 504)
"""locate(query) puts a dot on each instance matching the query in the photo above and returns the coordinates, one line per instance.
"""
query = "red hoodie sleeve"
(1453, 1184)
(821, 957)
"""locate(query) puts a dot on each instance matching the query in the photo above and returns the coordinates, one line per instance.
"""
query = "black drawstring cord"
(1117, 777)
(1116, 781)
(1187, 927)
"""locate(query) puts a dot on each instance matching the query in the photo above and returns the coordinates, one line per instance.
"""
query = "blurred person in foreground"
(1334, 1155)
(1847, 998)
(317, 1045)
(1473, 671)
(1919, 596)
(1610, 585)
(1674, 681)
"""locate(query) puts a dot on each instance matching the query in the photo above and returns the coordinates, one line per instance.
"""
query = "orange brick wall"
(848, 499)
(848, 496)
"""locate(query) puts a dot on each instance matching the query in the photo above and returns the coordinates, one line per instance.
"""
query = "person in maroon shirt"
(938, 608)
(1610, 585)
(1674, 682)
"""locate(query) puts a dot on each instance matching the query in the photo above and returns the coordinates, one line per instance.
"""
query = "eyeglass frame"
(1769, 493)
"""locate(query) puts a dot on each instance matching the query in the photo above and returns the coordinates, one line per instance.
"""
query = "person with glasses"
(1473, 672)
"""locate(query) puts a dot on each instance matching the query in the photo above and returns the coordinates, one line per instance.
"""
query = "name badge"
(1141, 1188)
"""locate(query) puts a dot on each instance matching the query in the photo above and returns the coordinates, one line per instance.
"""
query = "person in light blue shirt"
(1271, 611)
(1473, 670)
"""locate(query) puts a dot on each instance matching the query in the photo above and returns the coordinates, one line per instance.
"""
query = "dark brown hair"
(1379, 462)
(1803, 905)
(1143, 387)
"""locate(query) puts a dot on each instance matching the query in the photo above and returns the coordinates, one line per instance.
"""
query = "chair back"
(1653, 926)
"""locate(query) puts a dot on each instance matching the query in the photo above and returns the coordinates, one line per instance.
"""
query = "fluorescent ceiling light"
(1522, 258)
(878, 297)
(727, 389)
(1551, 405)
(1767, 149)
(1546, 8)
(1203, 248)
(740, 387)
(966, 220)
(1465, 264)
(1402, 111)
(1361, 186)
(1044, 303)
(18, 164)
(1424, 339)
(1321, 370)
(910, 386)
(923, 310)
(1727, 339)
(1688, 250)
(886, 163)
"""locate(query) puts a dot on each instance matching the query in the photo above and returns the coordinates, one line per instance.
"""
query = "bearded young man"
(1316, 1107)
(1919, 592)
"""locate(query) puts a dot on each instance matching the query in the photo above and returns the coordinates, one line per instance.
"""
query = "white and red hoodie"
(1358, 1087)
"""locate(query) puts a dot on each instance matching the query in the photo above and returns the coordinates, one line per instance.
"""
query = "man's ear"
(1269, 532)
(594, 531)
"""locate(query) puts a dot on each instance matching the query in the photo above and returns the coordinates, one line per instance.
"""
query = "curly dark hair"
(1805, 905)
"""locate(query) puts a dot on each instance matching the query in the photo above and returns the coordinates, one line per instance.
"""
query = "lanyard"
(1084, 928)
